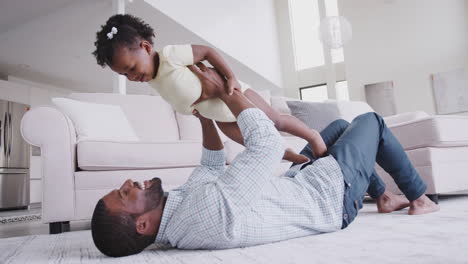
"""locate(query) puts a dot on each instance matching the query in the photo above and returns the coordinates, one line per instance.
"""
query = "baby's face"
(136, 63)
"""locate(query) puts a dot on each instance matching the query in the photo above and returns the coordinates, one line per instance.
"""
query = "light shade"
(335, 31)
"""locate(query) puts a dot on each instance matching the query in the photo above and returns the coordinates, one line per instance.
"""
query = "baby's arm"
(201, 53)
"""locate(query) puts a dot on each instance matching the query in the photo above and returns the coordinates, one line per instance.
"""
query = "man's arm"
(213, 157)
(211, 139)
(244, 179)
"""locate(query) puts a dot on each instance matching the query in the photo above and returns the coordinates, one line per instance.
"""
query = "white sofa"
(437, 147)
(76, 173)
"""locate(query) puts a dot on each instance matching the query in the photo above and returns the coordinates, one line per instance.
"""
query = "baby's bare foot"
(292, 156)
(422, 205)
(318, 145)
(389, 202)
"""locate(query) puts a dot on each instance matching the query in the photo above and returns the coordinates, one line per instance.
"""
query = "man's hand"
(236, 102)
(213, 85)
(200, 117)
(232, 84)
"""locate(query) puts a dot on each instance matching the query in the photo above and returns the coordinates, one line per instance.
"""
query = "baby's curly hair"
(130, 29)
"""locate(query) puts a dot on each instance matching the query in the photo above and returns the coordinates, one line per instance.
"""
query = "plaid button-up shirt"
(244, 204)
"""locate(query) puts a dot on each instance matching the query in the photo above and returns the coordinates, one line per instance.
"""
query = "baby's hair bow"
(111, 34)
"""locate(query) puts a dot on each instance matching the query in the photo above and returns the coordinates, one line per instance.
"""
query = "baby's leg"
(290, 124)
(232, 131)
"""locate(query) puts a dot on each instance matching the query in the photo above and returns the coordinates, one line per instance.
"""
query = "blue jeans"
(356, 147)
(330, 134)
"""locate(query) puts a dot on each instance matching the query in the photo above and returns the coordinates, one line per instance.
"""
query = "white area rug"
(440, 237)
(20, 218)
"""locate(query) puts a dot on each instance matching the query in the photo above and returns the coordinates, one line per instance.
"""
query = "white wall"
(31, 93)
(404, 41)
(243, 29)
(466, 43)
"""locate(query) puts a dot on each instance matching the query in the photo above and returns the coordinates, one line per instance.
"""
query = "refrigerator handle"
(5, 121)
(10, 135)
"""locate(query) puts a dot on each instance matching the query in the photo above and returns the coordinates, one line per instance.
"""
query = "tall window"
(331, 9)
(305, 22)
(317, 93)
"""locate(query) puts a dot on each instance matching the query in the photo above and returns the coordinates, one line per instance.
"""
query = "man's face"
(136, 63)
(133, 198)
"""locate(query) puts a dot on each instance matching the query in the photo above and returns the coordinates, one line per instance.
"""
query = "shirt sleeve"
(178, 55)
(208, 216)
(212, 165)
(251, 170)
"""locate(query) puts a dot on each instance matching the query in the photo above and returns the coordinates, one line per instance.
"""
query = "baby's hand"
(232, 84)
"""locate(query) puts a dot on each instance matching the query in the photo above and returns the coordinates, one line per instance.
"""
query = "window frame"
(316, 85)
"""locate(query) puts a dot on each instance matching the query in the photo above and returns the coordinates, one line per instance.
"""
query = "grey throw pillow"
(315, 115)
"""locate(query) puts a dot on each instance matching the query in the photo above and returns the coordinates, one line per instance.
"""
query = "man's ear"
(143, 225)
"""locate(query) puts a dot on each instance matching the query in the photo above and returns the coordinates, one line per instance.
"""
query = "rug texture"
(440, 237)
(20, 218)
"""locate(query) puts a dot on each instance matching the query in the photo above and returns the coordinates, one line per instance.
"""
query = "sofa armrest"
(404, 118)
(54, 133)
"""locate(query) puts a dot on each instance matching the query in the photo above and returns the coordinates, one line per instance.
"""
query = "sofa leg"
(59, 227)
(433, 197)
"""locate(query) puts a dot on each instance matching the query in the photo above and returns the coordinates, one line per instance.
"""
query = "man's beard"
(153, 195)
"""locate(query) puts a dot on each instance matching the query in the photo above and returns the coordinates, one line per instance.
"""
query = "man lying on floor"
(244, 204)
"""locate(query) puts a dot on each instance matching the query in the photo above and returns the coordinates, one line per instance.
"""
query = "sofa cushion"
(315, 115)
(146, 114)
(442, 169)
(279, 104)
(434, 131)
(90, 186)
(190, 128)
(97, 121)
(108, 180)
(350, 109)
(405, 117)
(111, 155)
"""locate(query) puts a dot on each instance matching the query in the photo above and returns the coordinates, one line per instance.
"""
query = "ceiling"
(16, 12)
(50, 42)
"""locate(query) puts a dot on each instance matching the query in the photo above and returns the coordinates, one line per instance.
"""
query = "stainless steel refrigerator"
(14, 157)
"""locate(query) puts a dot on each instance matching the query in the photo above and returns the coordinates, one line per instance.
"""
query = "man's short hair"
(115, 234)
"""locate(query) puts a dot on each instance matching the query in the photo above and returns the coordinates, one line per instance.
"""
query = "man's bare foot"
(290, 155)
(389, 202)
(423, 205)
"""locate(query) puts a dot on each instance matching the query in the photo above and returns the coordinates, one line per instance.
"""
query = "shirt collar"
(172, 203)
